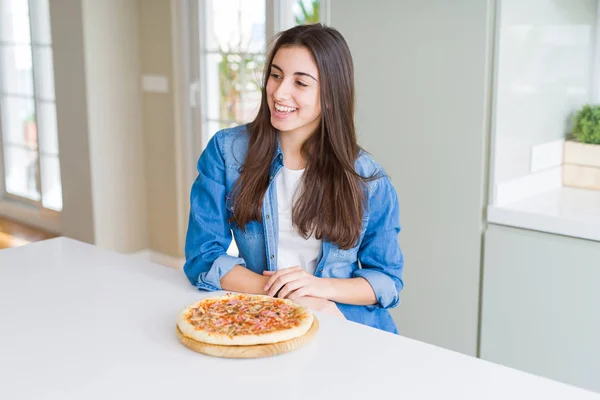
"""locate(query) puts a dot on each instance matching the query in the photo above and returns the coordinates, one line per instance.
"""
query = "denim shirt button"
(272, 256)
(268, 216)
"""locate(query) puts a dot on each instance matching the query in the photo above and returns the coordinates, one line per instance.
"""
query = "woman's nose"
(282, 92)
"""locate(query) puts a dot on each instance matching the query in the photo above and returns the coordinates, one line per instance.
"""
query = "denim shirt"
(377, 257)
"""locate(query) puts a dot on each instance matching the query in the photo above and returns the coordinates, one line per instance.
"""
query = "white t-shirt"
(293, 249)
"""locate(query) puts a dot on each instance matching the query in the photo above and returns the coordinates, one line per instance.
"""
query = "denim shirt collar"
(278, 156)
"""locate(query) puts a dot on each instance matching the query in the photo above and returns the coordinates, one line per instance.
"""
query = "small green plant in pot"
(587, 124)
(581, 156)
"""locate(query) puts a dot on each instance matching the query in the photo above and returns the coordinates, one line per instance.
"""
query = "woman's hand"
(318, 304)
(293, 283)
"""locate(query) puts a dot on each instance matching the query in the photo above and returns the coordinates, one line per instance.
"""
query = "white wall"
(77, 216)
(422, 99)
(545, 73)
(114, 98)
(167, 200)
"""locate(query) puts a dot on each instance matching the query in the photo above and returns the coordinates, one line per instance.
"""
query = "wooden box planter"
(581, 165)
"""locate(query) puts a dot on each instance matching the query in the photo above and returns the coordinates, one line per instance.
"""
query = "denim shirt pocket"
(350, 254)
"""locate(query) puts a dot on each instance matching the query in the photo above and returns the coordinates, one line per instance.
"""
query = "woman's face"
(293, 92)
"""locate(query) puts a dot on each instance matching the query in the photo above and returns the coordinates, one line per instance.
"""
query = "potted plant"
(581, 153)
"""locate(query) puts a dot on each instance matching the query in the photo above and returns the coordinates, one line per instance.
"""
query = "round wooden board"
(254, 351)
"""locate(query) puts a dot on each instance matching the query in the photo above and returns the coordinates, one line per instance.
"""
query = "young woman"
(305, 203)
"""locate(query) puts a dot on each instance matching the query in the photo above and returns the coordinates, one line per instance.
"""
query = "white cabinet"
(541, 305)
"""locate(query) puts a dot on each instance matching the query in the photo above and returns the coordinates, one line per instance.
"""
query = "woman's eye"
(301, 84)
(274, 75)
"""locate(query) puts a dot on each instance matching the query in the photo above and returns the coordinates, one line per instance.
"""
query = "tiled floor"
(13, 234)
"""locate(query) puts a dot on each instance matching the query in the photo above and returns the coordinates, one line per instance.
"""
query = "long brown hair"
(333, 197)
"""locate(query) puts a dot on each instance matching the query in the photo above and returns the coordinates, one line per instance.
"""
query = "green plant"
(237, 71)
(308, 16)
(587, 124)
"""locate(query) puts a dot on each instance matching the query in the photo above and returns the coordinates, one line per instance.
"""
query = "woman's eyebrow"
(295, 73)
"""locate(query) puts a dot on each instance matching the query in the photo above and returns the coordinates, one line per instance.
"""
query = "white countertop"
(563, 211)
(77, 322)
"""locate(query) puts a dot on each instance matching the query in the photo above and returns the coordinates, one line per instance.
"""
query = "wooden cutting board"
(254, 351)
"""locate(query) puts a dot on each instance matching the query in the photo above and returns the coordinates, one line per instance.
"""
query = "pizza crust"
(201, 335)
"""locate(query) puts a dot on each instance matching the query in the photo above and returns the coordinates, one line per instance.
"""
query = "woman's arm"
(356, 291)
(208, 235)
(241, 279)
(318, 304)
(381, 260)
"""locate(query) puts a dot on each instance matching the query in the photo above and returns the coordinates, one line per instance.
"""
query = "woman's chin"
(281, 126)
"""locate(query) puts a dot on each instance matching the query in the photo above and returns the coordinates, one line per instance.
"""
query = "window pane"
(236, 25)
(14, 21)
(51, 185)
(212, 128)
(44, 78)
(41, 21)
(48, 137)
(250, 104)
(229, 86)
(18, 121)
(213, 107)
(17, 74)
(250, 87)
(215, 126)
(232, 87)
(21, 168)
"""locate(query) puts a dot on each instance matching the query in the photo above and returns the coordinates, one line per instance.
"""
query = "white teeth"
(284, 109)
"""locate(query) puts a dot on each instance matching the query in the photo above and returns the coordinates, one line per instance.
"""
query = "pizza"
(244, 320)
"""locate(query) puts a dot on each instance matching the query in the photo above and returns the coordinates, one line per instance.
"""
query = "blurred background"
(474, 107)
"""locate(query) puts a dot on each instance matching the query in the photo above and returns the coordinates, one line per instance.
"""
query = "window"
(234, 35)
(28, 130)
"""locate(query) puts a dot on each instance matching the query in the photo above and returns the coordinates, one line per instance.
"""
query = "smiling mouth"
(284, 109)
